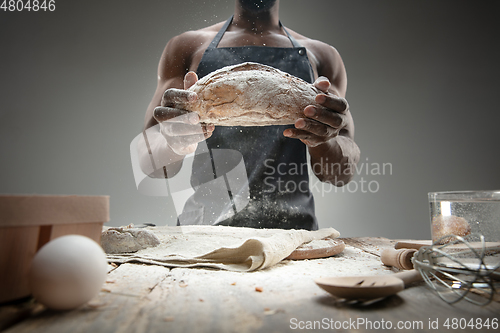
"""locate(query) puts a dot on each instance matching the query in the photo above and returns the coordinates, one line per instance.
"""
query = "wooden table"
(143, 298)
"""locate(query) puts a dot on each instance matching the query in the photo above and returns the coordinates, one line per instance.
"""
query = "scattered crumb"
(105, 290)
(233, 284)
(259, 289)
(201, 300)
(269, 312)
(182, 284)
(111, 281)
(169, 318)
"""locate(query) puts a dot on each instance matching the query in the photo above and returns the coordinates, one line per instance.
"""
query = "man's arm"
(162, 148)
(329, 131)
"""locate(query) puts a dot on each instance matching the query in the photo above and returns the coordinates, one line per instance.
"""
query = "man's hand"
(322, 123)
(181, 128)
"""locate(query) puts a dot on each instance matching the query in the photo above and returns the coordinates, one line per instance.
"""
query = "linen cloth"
(222, 247)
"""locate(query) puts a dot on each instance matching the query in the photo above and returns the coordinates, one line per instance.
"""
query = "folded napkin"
(229, 248)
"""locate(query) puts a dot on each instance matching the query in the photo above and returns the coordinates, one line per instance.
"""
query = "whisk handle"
(409, 277)
(398, 258)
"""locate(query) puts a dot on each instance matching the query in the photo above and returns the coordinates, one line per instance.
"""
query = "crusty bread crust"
(251, 94)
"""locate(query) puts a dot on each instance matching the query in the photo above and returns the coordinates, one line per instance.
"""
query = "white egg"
(67, 272)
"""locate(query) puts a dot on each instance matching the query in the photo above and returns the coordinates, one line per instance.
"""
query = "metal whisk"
(458, 269)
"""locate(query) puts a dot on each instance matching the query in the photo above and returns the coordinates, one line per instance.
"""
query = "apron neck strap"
(293, 40)
(215, 42)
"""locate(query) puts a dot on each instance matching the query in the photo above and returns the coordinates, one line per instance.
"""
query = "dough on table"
(127, 239)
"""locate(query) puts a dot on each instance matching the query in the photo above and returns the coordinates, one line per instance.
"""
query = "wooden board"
(372, 245)
(412, 244)
(323, 248)
(417, 244)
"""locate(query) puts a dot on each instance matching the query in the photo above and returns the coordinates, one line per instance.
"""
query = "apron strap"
(215, 42)
(293, 40)
(218, 37)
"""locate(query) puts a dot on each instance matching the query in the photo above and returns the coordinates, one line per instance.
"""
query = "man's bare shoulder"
(196, 37)
(325, 58)
(316, 46)
(185, 50)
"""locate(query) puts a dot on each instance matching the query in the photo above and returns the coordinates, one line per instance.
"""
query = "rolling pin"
(398, 258)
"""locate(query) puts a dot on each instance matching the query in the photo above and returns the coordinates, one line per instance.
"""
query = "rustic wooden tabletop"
(149, 298)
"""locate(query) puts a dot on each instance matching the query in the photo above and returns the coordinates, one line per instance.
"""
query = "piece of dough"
(251, 94)
(125, 240)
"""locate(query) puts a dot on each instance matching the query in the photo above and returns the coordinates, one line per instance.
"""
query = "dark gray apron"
(276, 166)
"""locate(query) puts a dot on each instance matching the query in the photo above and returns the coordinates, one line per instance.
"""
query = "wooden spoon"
(368, 287)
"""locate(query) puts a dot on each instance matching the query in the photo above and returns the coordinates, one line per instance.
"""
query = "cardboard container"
(27, 222)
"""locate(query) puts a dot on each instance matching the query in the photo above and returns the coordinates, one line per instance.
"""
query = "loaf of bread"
(251, 94)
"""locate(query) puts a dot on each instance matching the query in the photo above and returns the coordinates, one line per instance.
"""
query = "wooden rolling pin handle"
(398, 258)
(409, 277)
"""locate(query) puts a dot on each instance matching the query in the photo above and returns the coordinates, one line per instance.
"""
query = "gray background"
(423, 89)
